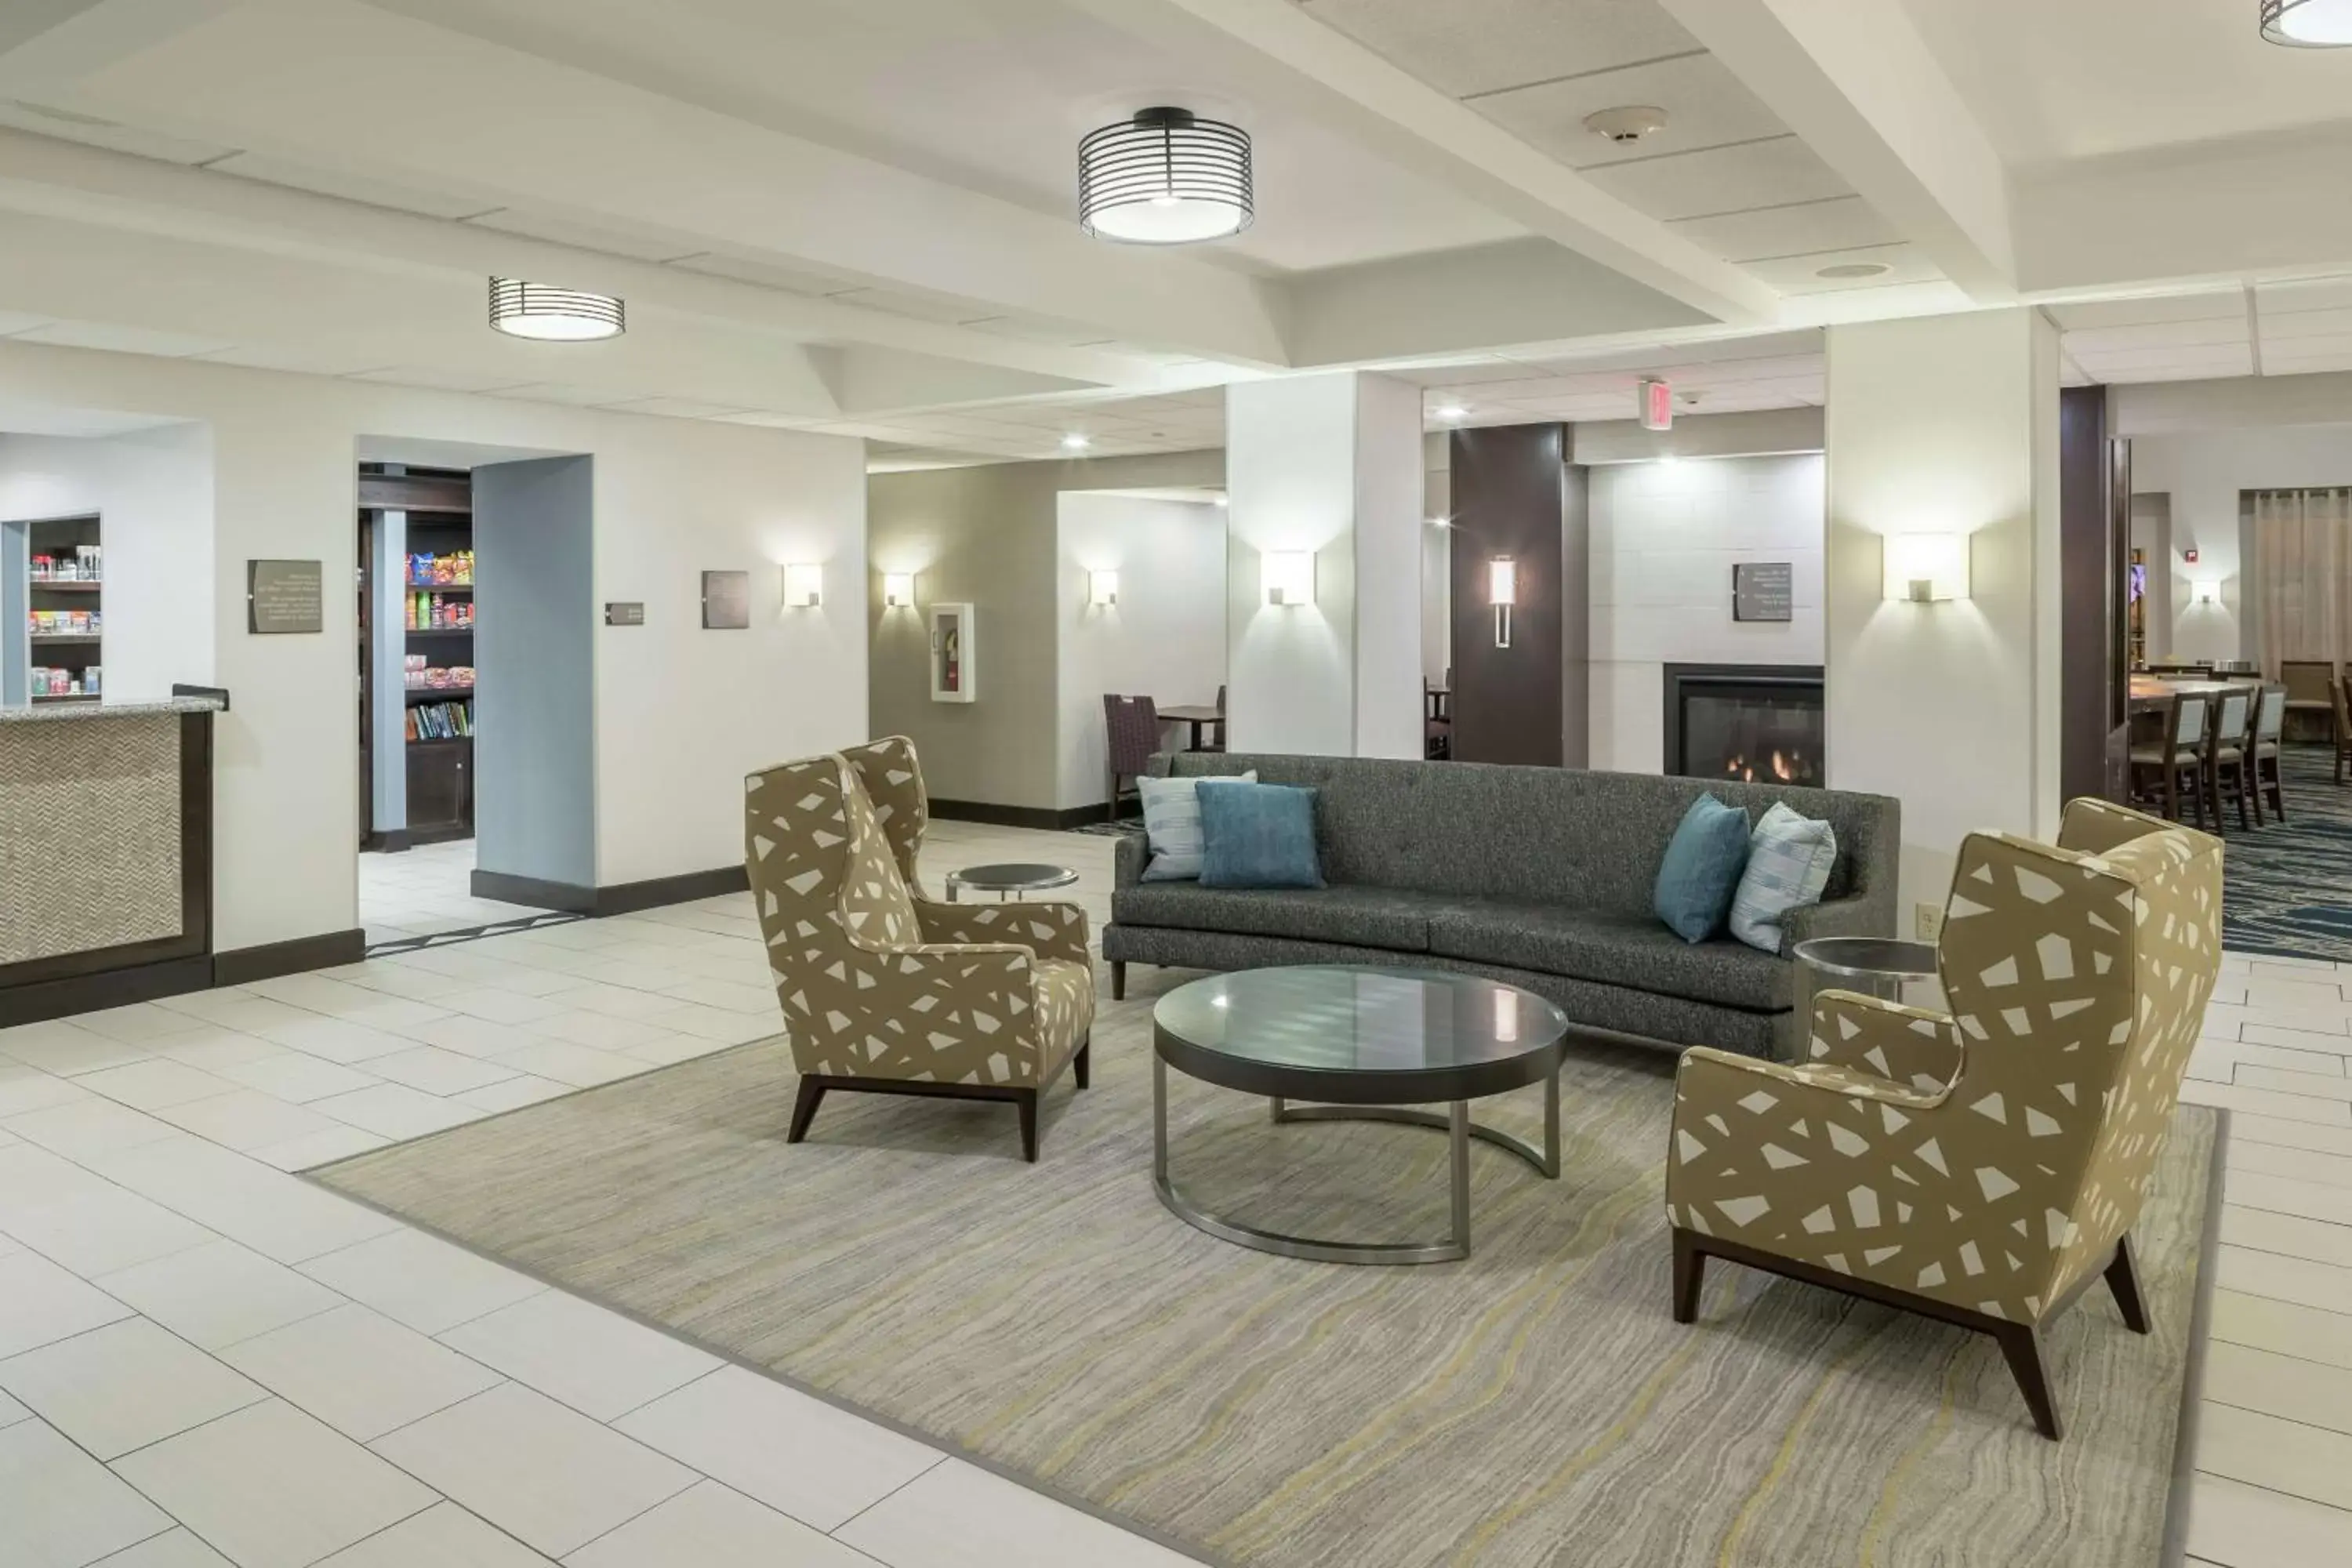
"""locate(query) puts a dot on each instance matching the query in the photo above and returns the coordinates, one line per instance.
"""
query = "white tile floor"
(424, 891)
(205, 1360)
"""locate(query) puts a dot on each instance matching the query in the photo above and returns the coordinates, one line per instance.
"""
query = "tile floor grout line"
(886, 1496)
(2280, 1491)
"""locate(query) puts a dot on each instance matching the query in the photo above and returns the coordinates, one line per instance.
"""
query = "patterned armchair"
(1982, 1167)
(884, 990)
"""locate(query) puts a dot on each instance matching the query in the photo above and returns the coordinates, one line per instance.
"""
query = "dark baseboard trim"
(992, 815)
(330, 950)
(411, 837)
(620, 898)
(390, 841)
(45, 999)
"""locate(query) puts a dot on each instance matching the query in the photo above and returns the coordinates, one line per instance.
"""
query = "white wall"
(2203, 474)
(681, 713)
(1945, 423)
(2151, 534)
(1437, 558)
(1164, 639)
(1665, 536)
(152, 493)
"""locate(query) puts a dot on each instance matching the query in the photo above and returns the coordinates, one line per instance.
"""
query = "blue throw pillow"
(1702, 868)
(1257, 835)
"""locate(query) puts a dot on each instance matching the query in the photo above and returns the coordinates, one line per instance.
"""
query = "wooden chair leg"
(805, 1110)
(1690, 1270)
(2020, 1345)
(2239, 786)
(1027, 1106)
(1117, 980)
(2123, 1283)
(1082, 1064)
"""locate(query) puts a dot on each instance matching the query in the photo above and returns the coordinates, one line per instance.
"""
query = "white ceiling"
(855, 215)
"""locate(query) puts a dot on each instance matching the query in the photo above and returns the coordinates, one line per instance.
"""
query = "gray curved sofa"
(1540, 876)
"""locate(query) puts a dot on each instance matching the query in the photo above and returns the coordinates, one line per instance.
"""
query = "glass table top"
(1864, 955)
(1018, 875)
(1339, 1019)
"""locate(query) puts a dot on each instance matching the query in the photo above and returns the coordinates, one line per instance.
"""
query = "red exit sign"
(1657, 406)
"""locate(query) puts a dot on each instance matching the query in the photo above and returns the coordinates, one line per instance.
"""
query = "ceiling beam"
(47, 44)
(1855, 81)
(1285, 53)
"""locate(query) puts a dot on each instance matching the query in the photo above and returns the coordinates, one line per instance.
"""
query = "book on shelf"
(440, 721)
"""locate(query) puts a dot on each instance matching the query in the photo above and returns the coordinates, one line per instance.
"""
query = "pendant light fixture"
(1165, 177)
(2309, 24)
(536, 310)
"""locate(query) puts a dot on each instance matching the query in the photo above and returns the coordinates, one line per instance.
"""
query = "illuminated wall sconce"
(804, 587)
(1502, 591)
(1927, 568)
(1288, 577)
(898, 589)
(2205, 593)
(1102, 589)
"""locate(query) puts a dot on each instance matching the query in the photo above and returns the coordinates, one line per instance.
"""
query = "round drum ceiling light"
(2309, 24)
(1165, 177)
(536, 310)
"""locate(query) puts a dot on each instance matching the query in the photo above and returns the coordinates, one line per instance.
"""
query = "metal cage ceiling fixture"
(1165, 177)
(2309, 24)
(536, 310)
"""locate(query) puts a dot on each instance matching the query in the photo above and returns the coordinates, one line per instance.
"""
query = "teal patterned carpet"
(2287, 886)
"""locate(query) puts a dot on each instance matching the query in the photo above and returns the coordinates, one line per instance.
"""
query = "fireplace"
(1761, 724)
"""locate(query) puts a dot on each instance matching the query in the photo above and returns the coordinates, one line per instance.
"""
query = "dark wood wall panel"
(1508, 499)
(2088, 675)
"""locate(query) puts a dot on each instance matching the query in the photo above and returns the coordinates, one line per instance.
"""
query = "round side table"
(1876, 966)
(1008, 880)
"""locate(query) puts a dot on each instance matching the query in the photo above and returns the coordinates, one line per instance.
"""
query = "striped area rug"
(2286, 888)
(1533, 1405)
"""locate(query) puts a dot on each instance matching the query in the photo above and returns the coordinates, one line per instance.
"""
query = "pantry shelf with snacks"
(416, 633)
(52, 585)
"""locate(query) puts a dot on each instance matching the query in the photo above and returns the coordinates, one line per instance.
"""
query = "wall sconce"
(1102, 589)
(898, 589)
(2205, 593)
(1502, 591)
(1925, 568)
(1288, 577)
(804, 587)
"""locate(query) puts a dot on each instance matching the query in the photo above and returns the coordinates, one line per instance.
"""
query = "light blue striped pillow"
(1788, 861)
(1172, 823)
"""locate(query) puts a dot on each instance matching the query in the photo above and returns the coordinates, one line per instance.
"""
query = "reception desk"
(106, 853)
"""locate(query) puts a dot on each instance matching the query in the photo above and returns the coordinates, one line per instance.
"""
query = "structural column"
(1943, 580)
(1323, 477)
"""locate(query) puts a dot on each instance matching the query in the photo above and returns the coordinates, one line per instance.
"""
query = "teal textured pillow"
(1172, 826)
(1701, 869)
(1788, 861)
(1257, 835)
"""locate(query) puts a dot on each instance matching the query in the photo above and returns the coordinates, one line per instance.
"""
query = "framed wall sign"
(624, 612)
(951, 666)
(1763, 591)
(725, 601)
(282, 597)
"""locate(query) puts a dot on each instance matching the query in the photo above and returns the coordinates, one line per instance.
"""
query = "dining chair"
(2340, 695)
(2226, 772)
(2270, 727)
(1133, 734)
(2310, 692)
(2179, 750)
(1216, 741)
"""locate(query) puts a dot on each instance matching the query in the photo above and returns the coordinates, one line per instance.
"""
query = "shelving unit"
(430, 512)
(65, 544)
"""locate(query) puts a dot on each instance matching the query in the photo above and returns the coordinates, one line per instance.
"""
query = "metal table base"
(1455, 1124)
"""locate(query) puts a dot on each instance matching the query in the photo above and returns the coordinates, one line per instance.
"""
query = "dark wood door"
(440, 789)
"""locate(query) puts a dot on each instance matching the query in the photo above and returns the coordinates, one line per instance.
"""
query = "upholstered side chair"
(1982, 1167)
(883, 990)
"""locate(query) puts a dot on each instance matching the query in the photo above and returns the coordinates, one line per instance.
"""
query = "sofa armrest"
(1902, 1045)
(1859, 916)
(1128, 858)
(1047, 928)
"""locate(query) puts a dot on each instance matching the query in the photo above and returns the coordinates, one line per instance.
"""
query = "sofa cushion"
(1359, 917)
(1633, 951)
(1257, 835)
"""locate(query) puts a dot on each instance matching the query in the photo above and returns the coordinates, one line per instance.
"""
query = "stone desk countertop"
(48, 712)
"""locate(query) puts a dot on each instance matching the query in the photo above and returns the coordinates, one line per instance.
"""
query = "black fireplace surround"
(1760, 723)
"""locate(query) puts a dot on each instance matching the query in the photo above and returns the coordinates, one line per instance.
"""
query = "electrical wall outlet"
(1928, 922)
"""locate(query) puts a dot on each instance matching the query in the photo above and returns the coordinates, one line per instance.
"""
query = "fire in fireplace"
(1760, 723)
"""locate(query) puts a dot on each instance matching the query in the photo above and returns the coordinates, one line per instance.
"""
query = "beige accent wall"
(988, 537)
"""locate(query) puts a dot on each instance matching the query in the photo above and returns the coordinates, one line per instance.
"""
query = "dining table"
(2149, 693)
(1200, 717)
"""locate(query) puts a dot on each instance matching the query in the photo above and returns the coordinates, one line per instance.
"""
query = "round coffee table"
(1004, 880)
(1364, 1043)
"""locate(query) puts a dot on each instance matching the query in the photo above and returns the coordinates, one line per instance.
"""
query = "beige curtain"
(2304, 569)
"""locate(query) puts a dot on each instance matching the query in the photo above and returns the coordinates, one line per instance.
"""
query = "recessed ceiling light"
(1073, 442)
(1449, 411)
(1165, 177)
(2309, 24)
(535, 310)
(1630, 123)
(1847, 269)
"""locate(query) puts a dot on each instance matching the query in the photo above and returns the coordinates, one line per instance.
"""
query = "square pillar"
(1942, 467)
(1323, 476)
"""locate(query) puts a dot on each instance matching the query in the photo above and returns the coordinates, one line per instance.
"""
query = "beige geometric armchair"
(883, 990)
(1983, 1166)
